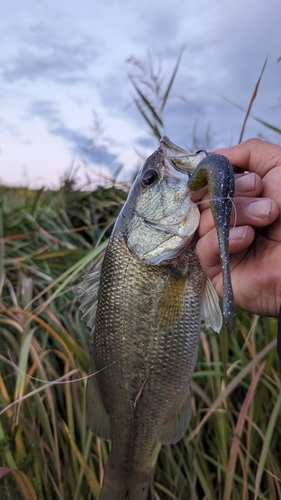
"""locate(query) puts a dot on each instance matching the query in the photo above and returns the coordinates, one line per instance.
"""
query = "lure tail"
(121, 484)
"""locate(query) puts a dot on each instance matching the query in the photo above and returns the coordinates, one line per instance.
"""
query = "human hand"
(255, 241)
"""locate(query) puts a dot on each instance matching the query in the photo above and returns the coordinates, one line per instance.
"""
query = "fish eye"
(149, 177)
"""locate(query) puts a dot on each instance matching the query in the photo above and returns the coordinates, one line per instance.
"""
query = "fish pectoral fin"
(97, 417)
(174, 430)
(87, 294)
(210, 307)
(172, 300)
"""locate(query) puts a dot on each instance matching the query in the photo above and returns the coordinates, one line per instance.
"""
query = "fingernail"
(238, 233)
(245, 183)
(260, 209)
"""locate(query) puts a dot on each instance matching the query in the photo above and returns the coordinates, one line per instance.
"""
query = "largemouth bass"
(145, 309)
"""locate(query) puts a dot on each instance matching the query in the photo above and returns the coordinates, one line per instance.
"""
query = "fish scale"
(168, 365)
(146, 324)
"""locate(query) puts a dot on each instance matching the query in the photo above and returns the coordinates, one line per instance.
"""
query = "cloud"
(81, 145)
(44, 109)
(41, 55)
(84, 146)
(69, 60)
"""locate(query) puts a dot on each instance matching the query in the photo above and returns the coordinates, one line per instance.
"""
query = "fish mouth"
(181, 160)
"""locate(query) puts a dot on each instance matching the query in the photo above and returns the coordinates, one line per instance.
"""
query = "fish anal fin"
(210, 308)
(97, 417)
(174, 430)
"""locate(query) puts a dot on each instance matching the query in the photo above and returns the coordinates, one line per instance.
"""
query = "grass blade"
(231, 386)
(267, 440)
(2, 253)
(238, 432)
(25, 485)
(147, 104)
(172, 79)
(254, 95)
(91, 478)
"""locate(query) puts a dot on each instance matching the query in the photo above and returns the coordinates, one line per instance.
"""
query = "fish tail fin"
(121, 484)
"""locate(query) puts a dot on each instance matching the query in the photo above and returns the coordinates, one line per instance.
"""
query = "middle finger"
(249, 184)
(255, 212)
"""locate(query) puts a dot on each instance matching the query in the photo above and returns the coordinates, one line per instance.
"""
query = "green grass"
(232, 447)
(44, 435)
(48, 240)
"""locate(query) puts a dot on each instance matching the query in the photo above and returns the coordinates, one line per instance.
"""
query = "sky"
(66, 95)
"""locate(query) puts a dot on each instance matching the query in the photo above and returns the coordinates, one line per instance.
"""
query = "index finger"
(253, 155)
(246, 185)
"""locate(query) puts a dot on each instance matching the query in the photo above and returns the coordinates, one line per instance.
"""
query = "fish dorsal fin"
(97, 416)
(87, 294)
(174, 430)
(210, 308)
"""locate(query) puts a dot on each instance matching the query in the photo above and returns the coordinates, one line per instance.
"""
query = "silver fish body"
(146, 318)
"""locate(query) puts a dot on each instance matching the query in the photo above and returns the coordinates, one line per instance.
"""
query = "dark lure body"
(146, 317)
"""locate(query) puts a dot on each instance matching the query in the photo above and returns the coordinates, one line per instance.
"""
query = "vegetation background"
(48, 240)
